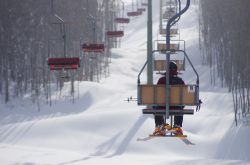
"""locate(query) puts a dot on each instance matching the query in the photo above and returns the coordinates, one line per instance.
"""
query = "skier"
(160, 125)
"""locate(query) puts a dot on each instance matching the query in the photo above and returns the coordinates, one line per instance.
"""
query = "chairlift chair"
(179, 59)
(168, 15)
(173, 32)
(170, 3)
(67, 63)
(122, 20)
(180, 95)
(134, 13)
(162, 47)
(93, 47)
(63, 65)
(115, 34)
(141, 9)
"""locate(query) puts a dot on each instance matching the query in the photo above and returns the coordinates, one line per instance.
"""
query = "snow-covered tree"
(225, 29)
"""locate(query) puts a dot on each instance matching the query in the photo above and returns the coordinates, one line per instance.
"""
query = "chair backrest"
(64, 63)
(180, 95)
(134, 13)
(173, 32)
(122, 20)
(163, 46)
(90, 47)
(160, 65)
(141, 9)
(114, 34)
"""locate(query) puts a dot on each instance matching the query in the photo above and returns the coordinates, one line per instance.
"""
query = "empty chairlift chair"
(160, 65)
(122, 20)
(141, 9)
(162, 47)
(173, 32)
(67, 63)
(115, 34)
(134, 13)
(98, 48)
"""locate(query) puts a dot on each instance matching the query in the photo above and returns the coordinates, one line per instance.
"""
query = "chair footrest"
(171, 112)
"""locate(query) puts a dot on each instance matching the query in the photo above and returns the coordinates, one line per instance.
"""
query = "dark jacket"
(173, 80)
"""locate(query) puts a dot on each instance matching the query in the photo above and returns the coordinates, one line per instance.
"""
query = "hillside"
(102, 128)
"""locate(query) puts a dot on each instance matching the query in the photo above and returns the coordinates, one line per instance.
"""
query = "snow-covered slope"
(102, 128)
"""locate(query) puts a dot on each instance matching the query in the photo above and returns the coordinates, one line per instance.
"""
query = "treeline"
(225, 41)
(31, 31)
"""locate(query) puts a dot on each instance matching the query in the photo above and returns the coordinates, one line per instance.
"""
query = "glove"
(199, 106)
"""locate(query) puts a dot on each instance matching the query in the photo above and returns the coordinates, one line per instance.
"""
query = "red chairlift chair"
(68, 63)
(122, 20)
(115, 34)
(93, 47)
(141, 9)
(134, 13)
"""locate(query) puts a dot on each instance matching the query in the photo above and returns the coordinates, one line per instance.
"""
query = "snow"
(102, 128)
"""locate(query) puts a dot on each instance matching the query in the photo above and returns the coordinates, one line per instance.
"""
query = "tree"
(225, 42)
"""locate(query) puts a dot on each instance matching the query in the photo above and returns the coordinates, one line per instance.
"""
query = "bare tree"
(225, 40)
(26, 28)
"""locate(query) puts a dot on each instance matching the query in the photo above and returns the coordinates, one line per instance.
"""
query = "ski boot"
(158, 132)
(166, 127)
(178, 131)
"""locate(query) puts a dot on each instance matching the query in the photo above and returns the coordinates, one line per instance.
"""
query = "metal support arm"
(169, 24)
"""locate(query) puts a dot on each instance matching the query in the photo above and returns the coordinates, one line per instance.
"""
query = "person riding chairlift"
(160, 125)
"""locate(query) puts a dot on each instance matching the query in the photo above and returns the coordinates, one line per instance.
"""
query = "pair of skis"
(183, 138)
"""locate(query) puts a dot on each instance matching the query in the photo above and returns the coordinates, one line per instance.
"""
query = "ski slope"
(102, 128)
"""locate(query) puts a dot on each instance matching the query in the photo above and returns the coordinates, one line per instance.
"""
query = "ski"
(183, 138)
(186, 141)
(149, 137)
(145, 138)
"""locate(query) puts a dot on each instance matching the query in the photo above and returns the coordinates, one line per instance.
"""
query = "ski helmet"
(173, 68)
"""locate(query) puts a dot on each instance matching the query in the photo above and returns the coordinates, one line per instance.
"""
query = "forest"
(225, 42)
(152, 82)
(33, 31)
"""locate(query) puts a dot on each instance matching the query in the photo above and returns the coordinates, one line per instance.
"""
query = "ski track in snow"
(102, 128)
